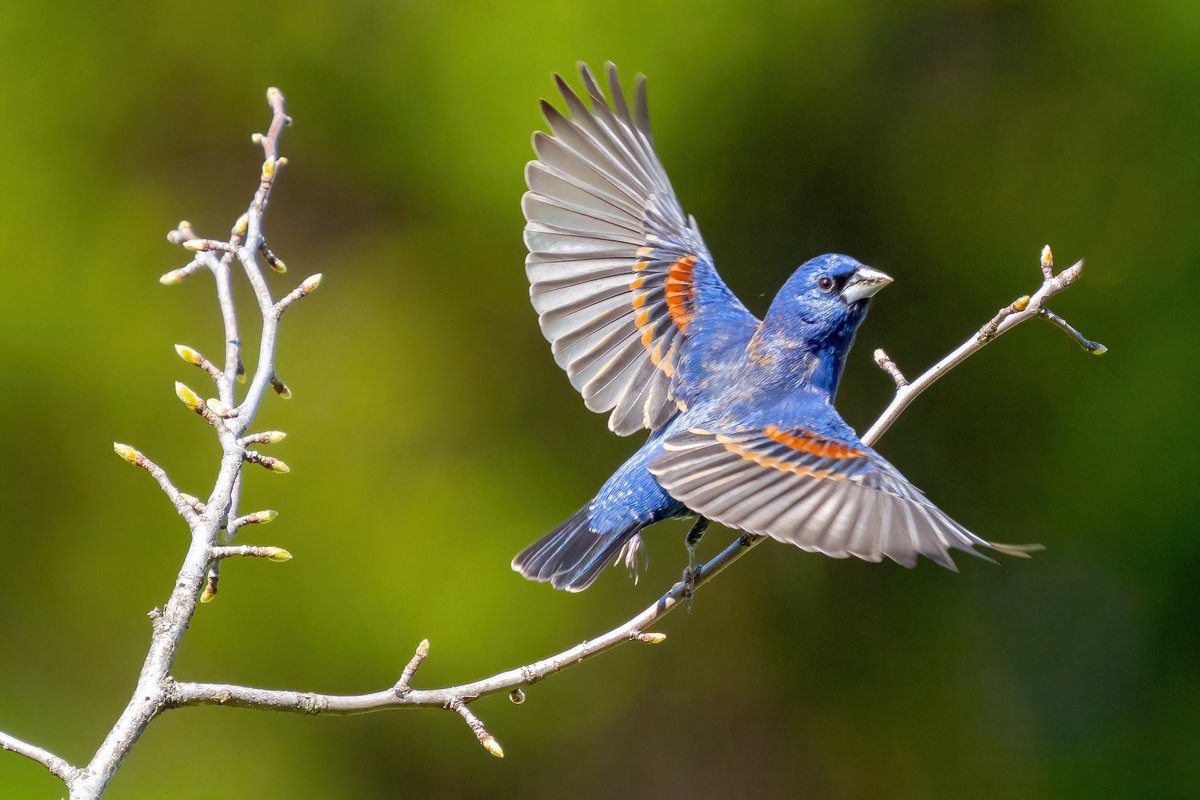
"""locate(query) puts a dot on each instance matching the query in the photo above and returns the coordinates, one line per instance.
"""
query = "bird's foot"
(692, 570)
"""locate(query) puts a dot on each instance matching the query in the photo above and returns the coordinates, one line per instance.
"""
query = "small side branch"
(184, 503)
(476, 725)
(887, 365)
(58, 767)
(1095, 348)
(250, 551)
(404, 685)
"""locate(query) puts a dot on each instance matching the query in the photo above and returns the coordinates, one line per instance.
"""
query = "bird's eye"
(825, 283)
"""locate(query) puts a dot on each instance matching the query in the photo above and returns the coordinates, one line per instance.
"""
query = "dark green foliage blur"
(432, 436)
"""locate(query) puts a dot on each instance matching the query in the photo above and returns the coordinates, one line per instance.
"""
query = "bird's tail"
(572, 555)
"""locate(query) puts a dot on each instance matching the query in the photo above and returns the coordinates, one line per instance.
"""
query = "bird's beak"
(864, 283)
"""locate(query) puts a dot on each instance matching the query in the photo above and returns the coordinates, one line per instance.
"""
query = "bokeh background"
(432, 435)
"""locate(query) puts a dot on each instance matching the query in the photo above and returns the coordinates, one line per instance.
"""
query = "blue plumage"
(743, 427)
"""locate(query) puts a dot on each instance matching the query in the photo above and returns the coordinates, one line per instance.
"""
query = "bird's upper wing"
(618, 275)
(822, 493)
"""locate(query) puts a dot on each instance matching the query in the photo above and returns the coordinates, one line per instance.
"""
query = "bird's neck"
(781, 360)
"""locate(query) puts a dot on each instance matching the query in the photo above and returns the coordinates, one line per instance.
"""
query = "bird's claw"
(690, 572)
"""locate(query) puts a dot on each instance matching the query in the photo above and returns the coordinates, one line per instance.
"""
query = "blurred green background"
(432, 436)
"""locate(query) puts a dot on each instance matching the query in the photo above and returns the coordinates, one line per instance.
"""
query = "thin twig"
(886, 364)
(178, 275)
(264, 437)
(183, 502)
(1095, 348)
(196, 358)
(404, 685)
(249, 551)
(58, 767)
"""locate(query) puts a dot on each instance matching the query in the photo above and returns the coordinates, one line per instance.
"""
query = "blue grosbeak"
(743, 428)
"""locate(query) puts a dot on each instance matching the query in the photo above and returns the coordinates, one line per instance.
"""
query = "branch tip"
(410, 669)
(889, 366)
(1070, 274)
(265, 437)
(1095, 348)
(128, 453)
(206, 245)
(177, 275)
(476, 725)
(276, 554)
(255, 518)
(307, 287)
(281, 388)
(187, 396)
(273, 261)
(189, 355)
(492, 746)
(267, 462)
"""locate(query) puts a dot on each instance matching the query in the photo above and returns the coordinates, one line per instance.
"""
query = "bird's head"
(810, 327)
(825, 301)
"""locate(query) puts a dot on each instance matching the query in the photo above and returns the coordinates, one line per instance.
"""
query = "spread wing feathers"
(614, 265)
(813, 491)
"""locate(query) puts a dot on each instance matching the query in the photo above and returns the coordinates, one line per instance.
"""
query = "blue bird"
(743, 430)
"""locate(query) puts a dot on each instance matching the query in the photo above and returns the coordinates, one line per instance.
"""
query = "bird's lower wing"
(817, 492)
